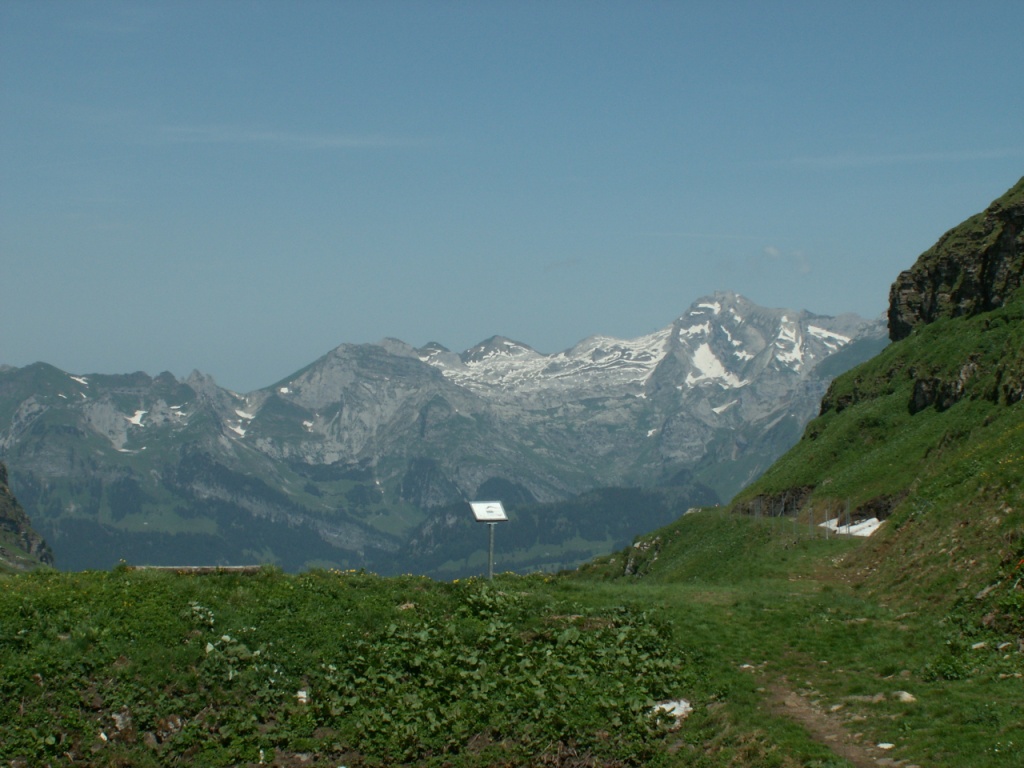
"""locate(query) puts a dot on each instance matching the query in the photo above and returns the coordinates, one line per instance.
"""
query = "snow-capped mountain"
(353, 448)
(724, 340)
(500, 364)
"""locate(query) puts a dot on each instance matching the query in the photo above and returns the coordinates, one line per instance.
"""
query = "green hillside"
(912, 639)
(918, 419)
(907, 646)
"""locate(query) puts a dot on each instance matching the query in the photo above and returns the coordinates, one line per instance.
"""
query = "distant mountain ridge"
(340, 462)
(740, 362)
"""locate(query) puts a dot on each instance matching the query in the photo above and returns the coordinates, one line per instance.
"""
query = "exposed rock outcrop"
(786, 502)
(973, 268)
(939, 392)
(16, 531)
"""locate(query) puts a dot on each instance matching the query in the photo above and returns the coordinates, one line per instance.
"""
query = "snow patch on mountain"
(136, 418)
(598, 360)
(831, 340)
(710, 369)
(694, 330)
(789, 344)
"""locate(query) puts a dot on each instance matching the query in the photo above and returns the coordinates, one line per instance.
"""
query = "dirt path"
(826, 728)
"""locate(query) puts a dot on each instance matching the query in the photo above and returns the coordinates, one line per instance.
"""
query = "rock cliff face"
(973, 268)
(17, 537)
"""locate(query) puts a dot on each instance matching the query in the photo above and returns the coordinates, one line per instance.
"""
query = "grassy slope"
(868, 442)
(774, 607)
(932, 604)
(958, 470)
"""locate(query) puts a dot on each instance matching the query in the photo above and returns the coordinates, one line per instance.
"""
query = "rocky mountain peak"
(728, 341)
(497, 347)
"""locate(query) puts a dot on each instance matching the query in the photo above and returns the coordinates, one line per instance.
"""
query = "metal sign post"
(492, 513)
(490, 552)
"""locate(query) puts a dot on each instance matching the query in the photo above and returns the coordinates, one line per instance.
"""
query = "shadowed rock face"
(15, 523)
(973, 268)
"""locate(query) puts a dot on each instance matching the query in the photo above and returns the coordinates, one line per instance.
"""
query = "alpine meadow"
(718, 610)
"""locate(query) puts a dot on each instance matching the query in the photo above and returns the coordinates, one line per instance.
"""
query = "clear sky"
(239, 187)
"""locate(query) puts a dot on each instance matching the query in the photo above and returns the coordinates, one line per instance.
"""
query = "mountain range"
(357, 459)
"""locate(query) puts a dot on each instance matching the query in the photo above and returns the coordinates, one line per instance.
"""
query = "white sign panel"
(488, 511)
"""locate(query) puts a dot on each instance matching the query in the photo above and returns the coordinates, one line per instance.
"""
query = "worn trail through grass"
(809, 666)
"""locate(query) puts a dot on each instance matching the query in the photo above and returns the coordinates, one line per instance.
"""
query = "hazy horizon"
(238, 188)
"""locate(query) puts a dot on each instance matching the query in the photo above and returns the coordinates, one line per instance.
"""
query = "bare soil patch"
(826, 728)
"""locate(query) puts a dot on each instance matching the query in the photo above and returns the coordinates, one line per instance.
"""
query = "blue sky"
(239, 187)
